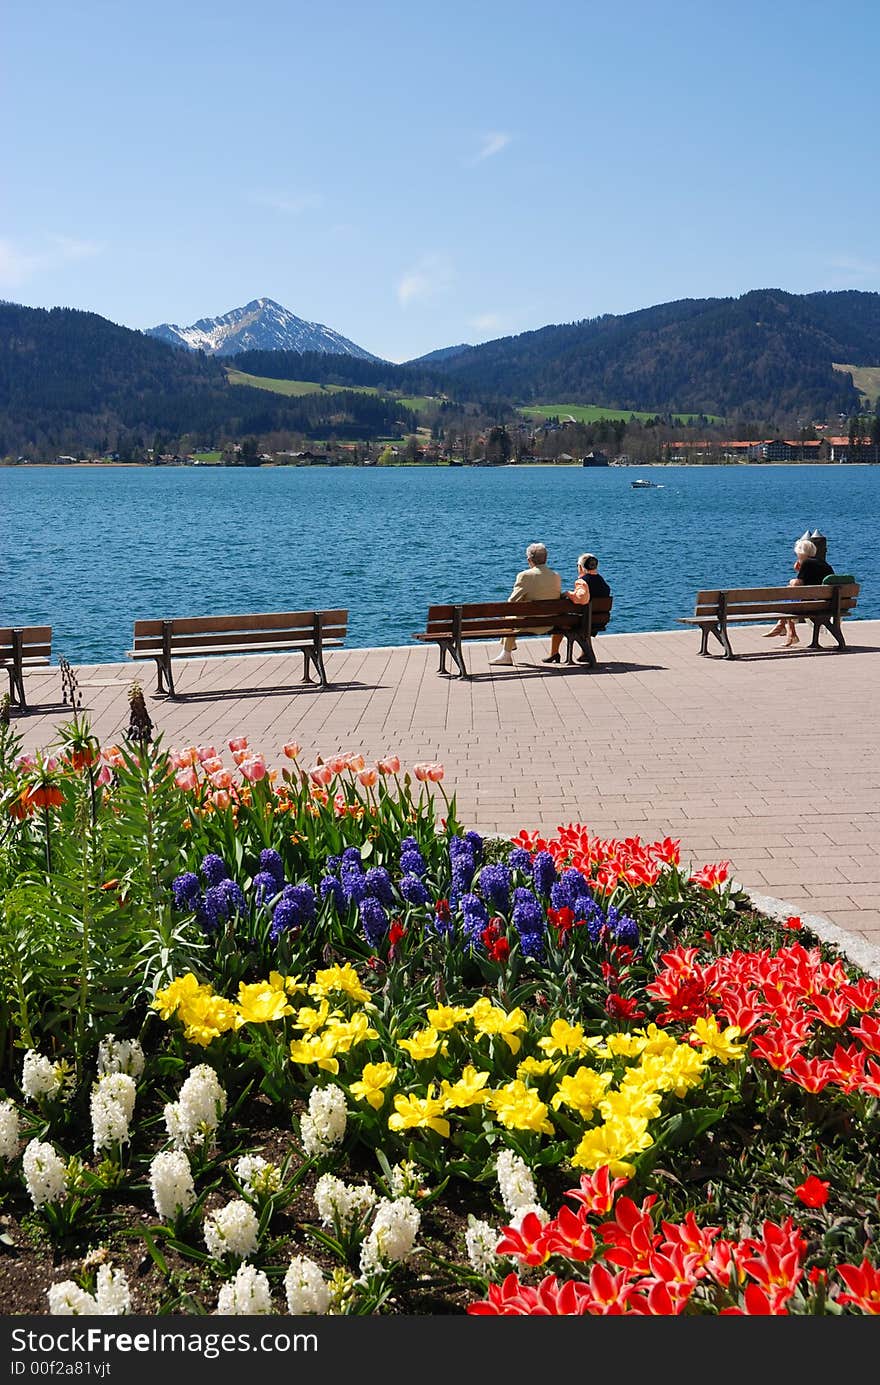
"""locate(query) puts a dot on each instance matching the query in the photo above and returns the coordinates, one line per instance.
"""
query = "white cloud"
(289, 205)
(492, 143)
(848, 269)
(19, 263)
(487, 322)
(427, 279)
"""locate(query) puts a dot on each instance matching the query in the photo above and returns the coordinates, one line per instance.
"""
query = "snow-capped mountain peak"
(262, 325)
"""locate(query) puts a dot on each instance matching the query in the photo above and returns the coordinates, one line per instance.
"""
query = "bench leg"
(16, 688)
(833, 627)
(318, 661)
(455, 651)
(163, 672)
(307, 677)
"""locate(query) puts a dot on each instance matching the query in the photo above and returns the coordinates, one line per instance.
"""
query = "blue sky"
(417, 175)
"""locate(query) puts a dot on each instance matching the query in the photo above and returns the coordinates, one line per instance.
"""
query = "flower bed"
(293, 1039)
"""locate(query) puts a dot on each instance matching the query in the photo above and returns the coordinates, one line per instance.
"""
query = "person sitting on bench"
(589, 583)
(811, 570)
(537, 582)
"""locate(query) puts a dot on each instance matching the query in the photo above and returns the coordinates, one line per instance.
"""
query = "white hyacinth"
(342, 1204)
(518, 1217)
(246, 1295)
(232, 1230)
(323, 1125)
(40, 1077)
(193, 1118)
(306, 1288)
(171, 1183)
(45, 1173)
(392, 1235)
(8, 1131)
(406, 1180)
(120, 1055)
(111, 1296)
(480, 1241)
(112, 1106)
(257, 1176)
(516, 1185)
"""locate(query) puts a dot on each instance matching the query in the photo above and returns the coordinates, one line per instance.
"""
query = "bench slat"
(208, 651)
(269, 621)
(243, 639)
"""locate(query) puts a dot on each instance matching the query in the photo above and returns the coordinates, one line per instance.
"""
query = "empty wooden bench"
(450, 626)
(23, 647)
(824, 605)
(282, 632)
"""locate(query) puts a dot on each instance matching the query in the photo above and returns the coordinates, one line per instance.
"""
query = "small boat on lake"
(644, 485)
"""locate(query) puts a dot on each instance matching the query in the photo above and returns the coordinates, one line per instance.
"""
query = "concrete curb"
(861, 953)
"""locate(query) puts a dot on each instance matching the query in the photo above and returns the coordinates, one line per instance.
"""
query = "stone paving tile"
(657, 741)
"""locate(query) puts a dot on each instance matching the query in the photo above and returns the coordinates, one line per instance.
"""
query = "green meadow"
(866, 379)
(591, 413)
(293, 387)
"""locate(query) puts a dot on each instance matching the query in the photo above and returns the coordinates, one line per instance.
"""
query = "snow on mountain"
(262, 325)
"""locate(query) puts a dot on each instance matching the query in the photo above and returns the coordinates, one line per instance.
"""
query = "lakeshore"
(655, 742)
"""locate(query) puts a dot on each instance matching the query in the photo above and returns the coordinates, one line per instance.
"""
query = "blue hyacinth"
(528, 920)
(354, 887)
(532, 945)
(378, 883)
(520, 859)
(374, 921)
(568, 890)
(473, 912)
(413, 890)
(271, 863)
(214, 869)
(303, 897)
(623, 929)
(186, 890)
(494, 884)
(233, 898)
(543, 872)
(285, 916)
(265, 887)
(331, 888)
(475, 842)
(351, 859)
(412, 862)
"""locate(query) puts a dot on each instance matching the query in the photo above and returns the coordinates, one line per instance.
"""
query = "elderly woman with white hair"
(811, 571)
(537, 582)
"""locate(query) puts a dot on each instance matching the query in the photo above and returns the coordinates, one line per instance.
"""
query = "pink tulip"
(206, 752)
(241, 755)
(292, 749)
(435, 773)
(340, 805)
(390, 765)
(421, 772)
(113, 755)
(221, 779)
(337, 763)
(238, 743)
(212, 765)
(104, 775)
(356, 762)
(321, 775)
(253, 768)
(368, 777)
(187, 779)
(181, 758)
(221, 799)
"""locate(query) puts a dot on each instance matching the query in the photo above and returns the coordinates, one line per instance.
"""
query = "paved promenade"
(770, 761)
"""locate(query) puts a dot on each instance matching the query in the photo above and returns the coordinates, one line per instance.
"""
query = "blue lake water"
(89, 550)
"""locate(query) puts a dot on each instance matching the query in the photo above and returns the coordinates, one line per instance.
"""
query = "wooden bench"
(449, 626)
(824, 605)
(23, 647)
(305, 632)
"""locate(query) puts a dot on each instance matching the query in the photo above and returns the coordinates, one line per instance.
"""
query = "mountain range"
(262, 325)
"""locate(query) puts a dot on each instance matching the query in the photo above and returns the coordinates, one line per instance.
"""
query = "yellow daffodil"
(181, 988)
(291, 984)
(624, 1045)
(581, 1091)
(536, 1067)
(262, 1002)
(684, 1069)
(348, 1033)
(491, 1019)
(419, 1113)
(339, 978)
(446, 1017)
(310, 1019)
(519, 1108)
(317, 1048)
(657, 1040)
(630, 1103)
(424, 1044)
(719, 1043)
(371, 1084)
(206, 1016)
(467, 1091)
(611, 1144)
(563, 1038)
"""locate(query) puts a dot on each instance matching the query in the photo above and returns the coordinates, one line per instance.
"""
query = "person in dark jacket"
(810, 571)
